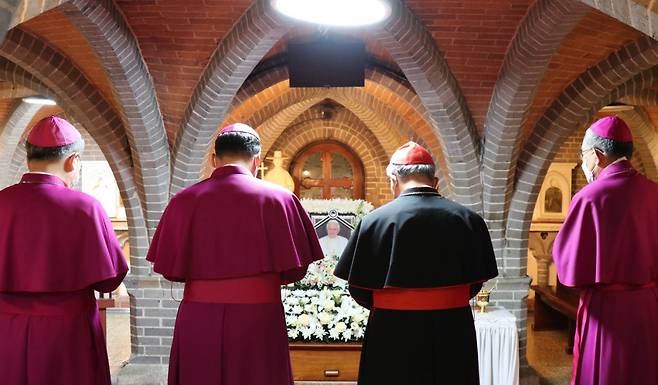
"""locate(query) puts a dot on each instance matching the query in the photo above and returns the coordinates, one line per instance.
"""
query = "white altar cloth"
(498, 347)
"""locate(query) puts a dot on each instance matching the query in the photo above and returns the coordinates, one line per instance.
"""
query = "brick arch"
(10, 137)
(626, 71)
(413, 48)
(541, 32)
(28, 9)
(645, 138)
(237, 55)
(268, 131)
(273, 81)
(37, 66)
(103, 25)
(647, 98)
(644, 98)
(358, 99)
(8, 10)
(283, 111)
(350, 132)
(390, 129)
(17, 166)
(634, 13)
(273, 118)
(265, 86)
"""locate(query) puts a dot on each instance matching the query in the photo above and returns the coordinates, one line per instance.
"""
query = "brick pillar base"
(153, 306)
(140, 374)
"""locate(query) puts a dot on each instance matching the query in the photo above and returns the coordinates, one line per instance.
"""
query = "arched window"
(327, 170)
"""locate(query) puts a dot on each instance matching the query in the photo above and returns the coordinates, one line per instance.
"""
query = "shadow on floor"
(547, 356)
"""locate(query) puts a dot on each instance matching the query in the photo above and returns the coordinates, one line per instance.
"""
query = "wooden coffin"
(325, 362)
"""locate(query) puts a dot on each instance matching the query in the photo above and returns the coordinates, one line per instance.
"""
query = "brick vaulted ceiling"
(178, 38)
(55, 28)
(592, 40)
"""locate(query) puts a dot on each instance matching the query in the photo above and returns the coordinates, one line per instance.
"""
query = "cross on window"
(328, 170)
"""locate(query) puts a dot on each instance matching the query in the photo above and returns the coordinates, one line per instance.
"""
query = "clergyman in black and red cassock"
(416, 262)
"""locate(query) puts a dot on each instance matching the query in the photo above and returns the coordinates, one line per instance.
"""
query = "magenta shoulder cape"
(55, 239)
(610, 234)
(233, 225)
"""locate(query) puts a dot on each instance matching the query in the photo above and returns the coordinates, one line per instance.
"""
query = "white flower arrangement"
(343, 206)
(319, 307)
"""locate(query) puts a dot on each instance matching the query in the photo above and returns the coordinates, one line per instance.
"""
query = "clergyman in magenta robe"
(608, 247)
(57, 246)
(234, 240)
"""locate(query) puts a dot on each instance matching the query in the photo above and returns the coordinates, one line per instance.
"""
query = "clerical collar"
(420, 191)
(230, 169)
(42, 178)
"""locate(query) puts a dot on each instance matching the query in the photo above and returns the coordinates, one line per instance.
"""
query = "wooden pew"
(556, 308)
(104, 302)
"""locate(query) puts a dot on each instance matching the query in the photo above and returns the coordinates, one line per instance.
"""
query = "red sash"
(48, 304)
(437, 298)
(262, 288)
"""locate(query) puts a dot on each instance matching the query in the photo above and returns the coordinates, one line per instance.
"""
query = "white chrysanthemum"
(325, 318)
(304, 320)
(347, 335)
(334, 334)
(328, 304)
(307, 333)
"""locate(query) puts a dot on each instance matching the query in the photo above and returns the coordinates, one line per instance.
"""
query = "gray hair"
(53, 153)
(333, 222)
(402, 171)
(612, 149)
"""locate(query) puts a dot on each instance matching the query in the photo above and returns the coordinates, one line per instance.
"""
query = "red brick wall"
(474, 38)
(593, 39)
(177, 39)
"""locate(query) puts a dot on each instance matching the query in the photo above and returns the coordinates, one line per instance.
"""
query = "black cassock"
(419, 240)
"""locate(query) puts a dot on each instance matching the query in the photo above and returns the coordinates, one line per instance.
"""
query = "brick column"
(10, 138)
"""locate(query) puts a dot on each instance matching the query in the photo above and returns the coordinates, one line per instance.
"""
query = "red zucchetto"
(53, 131)
(411, 153)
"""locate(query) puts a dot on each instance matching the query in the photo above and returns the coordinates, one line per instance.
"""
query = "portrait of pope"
(333, 243)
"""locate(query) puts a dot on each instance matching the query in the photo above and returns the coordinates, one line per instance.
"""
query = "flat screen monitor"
(327, 63)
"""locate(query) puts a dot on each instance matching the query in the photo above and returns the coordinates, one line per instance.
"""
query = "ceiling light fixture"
(337, 13)
(40, 100)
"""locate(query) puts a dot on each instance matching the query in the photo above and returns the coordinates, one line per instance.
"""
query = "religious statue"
(278, 174)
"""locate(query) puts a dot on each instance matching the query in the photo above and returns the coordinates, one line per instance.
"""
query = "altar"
(498, 347)
(326, 326)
